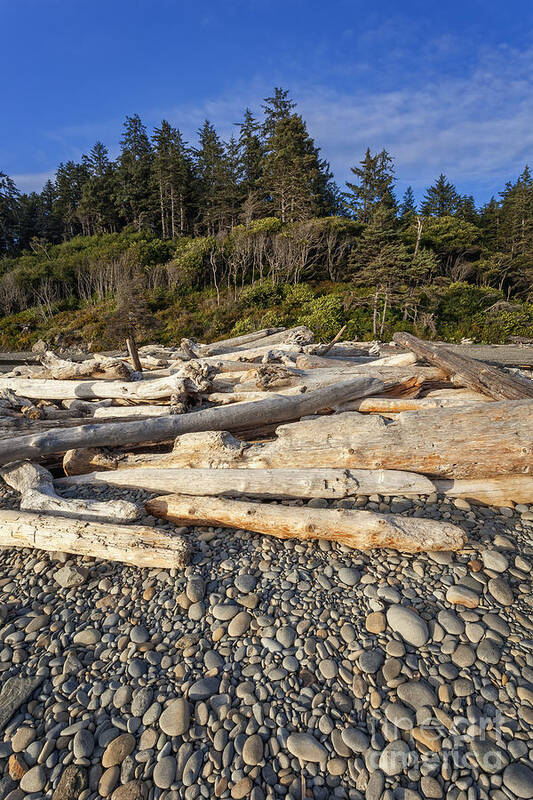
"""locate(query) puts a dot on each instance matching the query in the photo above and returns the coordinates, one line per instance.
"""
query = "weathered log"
(276, 377)
(133, 354)
(237, 417)
(395, 405)
(468, 372)
(362, 530)
(482, 440)
(237, 341)
(319, 362)
(327, 483)
(79, 461)
(137, 545)
(98, 367)
(36, 487)
(504, 490)
(87, 389)
(327, 347)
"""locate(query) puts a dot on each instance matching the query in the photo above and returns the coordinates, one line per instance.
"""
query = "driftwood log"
(482, 440)
(236, 417)
(88, 390)
(35, 485)
(362, 530)
(307, 483)
(466, 371)
(97, 367)
(137, 545)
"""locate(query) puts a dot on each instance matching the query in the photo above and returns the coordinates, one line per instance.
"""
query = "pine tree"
(466, 209)
(9, 213)
(134, 196)
(251, 154)
(212, 177)
(295, 180)
(407, 208)
(441, 199)
(276, 108)
(517, 215)
(97, 203)
(69, 182)
(374, 187)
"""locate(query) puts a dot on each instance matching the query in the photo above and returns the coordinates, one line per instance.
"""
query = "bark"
(395, 405)
(308, 483)
(318, 362)
(35, 485)
(468, 372)
(137, 545)
(237, 417)
(362, 530)
(275, 377)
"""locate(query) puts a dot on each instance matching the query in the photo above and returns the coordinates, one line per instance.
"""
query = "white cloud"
(32, 181)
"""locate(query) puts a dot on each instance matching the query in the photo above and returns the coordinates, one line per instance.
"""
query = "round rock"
(408, 624)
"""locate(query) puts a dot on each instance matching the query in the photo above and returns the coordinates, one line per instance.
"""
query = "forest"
(172, 239)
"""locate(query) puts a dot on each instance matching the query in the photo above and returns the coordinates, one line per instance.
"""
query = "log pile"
(222, 431)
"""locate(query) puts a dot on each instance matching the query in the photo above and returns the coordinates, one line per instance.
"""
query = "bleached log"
(131, 412)
(298, 336)
(504, 490)
(36, 488)
(466, 395)
(61, 390)
(320, 362)
(362, 530)
(98, 367)
(482, 440)
(234, 417)
(238, 341)
(327, 483)
(79, 461)
(395, 405)
(475, 375)
(275, 377)
(137, 545)
(86, 407)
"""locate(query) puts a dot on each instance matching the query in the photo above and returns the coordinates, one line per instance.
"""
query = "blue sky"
(442, 85)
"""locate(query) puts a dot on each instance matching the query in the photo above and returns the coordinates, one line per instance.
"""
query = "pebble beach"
(273, 669)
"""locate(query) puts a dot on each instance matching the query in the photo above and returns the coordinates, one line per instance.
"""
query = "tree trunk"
(327, 483)
(137, 545)
(238, 417)
(362, 530)
(470, 373)
(88, 390)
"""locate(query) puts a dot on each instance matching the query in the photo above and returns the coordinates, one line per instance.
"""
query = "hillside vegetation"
(170, 240)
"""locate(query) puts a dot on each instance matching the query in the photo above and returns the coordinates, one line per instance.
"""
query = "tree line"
(263, 205)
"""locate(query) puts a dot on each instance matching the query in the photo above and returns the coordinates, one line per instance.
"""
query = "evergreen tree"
(295, 180)
(134, 197)
(466, 209)
(9, 213)
(212, 177)
(489, 222)
(441, 199)
(407, 208)
(374, 187)
(252, 154)
(516, 229)
(276, 108)
(97, 203)
(69, 182)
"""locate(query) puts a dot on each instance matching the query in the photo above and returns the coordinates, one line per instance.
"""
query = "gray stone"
(371, 660)
(518, 778)
(489, 756)
(394, 757)
(192, 768)
(15, 691)
(252, 751)
(408, 624)
(494, 560)
(34, 780)
(204, 688)
(501, 591)
(70, 576)
(348, 576)
(165, 772)
(417, 694)
(400, 716)
(83, 744)
(306, 747)
(175, 719)
(355, 739)
(245, 583)
(71, 784)
(488, 652)
(239, 624)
